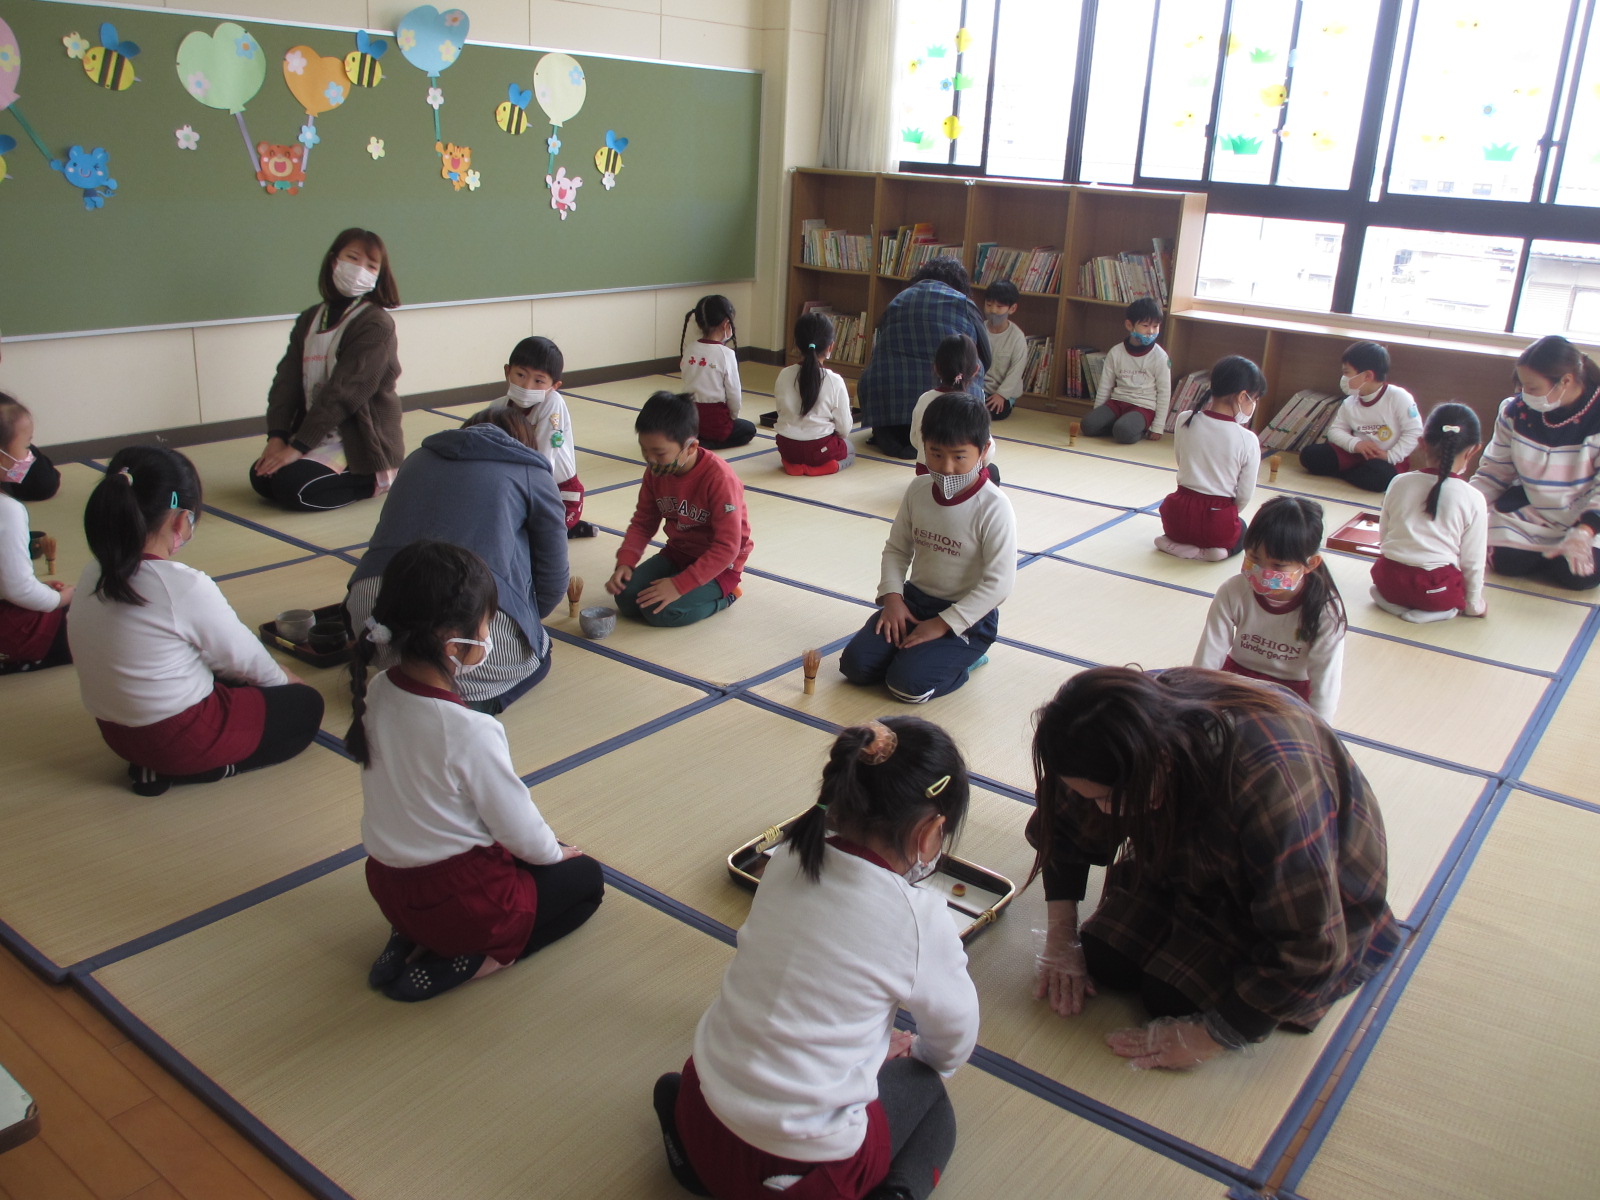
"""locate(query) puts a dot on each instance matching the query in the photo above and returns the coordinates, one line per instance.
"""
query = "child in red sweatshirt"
(701, 501)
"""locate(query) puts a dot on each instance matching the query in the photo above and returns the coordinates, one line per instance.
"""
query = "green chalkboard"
(191, 236)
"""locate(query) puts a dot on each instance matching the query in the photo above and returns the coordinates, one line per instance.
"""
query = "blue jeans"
(697, 605)
(923, 672)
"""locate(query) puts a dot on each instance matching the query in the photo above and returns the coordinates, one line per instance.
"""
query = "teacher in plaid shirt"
(900, 368)
(1246, 859)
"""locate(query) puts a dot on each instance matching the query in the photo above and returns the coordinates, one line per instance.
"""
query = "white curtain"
(858, 85)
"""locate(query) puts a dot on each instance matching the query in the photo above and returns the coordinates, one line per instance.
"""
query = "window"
(1032, 105)
(1262, 260)
(1561, 292)
(945, 54)
(1437, 278)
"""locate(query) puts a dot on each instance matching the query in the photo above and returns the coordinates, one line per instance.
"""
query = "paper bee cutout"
(609, 159)
(512, 114)
(361, 64)
(110, 63)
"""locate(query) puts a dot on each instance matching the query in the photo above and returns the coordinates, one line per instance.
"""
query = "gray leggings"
(1104, 422)
(922, 1125)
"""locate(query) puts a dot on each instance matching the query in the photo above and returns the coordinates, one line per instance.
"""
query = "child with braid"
(799, 1082)
(458, 858)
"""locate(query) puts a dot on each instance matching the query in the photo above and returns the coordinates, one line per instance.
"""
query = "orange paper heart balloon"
(319, 83)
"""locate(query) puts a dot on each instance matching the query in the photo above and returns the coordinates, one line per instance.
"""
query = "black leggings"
(1115, 971)
(922, 1125)
(1530, 563)
(1370, 474)
(740, 435)
(294, 714)
(310, 486)
(570, 892)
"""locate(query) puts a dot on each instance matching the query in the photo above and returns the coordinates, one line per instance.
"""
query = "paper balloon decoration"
(10, 65)
(319, 83)
(432, 40)
(222, 70)
(560, 87)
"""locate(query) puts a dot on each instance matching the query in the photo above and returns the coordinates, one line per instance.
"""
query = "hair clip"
(883, 743)
(377, 634)
(1450, 429)
(937, 786)
(174, 503)
(124, 473)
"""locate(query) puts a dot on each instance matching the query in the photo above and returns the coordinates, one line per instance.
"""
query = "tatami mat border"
(1522, 751)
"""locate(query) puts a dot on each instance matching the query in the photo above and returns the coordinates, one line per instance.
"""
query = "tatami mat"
(85, 865)
(1481, 1085)
(870, 486)
(1103, 481)
(1565, 759)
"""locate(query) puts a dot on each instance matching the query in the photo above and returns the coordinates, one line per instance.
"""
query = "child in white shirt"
(1002, 382)
(955, 363)
(33, 612)
(458, 858)
(1434, 530)
(1135, 382)
(1375, 429)
(711, 371)
(814, 420)
(533, 385)
(1218, 459)
(799, 1078)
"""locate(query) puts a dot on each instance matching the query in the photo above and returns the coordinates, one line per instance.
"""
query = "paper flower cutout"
(334, 93)
(188, 139)
(76, 45)
(198, 84)
(448, 52)
(245, 47)
(407, 39)
(295, 62)
(944, 85)
(608, 181)
(553, 142)
(453, 17)
(10, 60)
(436, 97)
(474, 181)
(575, 76)
(375, 148)
(308, 136)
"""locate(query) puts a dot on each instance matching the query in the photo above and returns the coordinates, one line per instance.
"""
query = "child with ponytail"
(955, 366)
(813, 405)
(181, 689)
(1218, 460)
(1435, 528)
(1281, 619)
(33, 612)
(711, 371)
(458, 858)
(799, 1082)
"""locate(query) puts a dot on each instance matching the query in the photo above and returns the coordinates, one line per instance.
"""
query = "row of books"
(824, 247)
(850, 332)
(904, 251)
(1084, 364)
(1036, 270)
(1303, 419)
(1127, 277)
(1192, 388)
(1038, 373)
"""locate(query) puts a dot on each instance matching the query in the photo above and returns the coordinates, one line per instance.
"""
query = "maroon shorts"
(1196, 519)
(477, 902)
(1122, 409)
(716, 422)
(1349, 461)
(1437, 590)
(814, 452)
(26, 636)
(1300, 687)
(222, 729)
(732, 1169)
(572, 499)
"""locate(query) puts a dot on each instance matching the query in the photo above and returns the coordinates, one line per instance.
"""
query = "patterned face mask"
(19, 467)
(953, 485)
(1268, 582)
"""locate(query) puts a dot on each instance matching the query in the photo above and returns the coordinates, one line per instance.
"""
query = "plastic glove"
(1577, 548)
(1175, 1043)
(1061, 973)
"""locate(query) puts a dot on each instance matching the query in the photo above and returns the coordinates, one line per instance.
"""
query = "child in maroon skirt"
(813, 424)
(1434, 529)
(33, 612)
(711, 372)
(1218, 459)
(458, 858)
(181, 689)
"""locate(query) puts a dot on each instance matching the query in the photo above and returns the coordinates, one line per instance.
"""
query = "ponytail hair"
(1554, 357)
(430, 591)
(142, 486)
(881, 780)
(1289, 528)
(955, 363)
(708, 313)
(1230, 376)
(1451, 428)
(813, 335)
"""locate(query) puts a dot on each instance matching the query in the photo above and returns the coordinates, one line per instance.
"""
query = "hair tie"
(822, 804)
(811, 345)
(377, 634)
(937, 786)
(881, 747)
(1450, 429)
(124, 473)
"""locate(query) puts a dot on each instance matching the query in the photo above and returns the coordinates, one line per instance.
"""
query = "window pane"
(1263, 260)
(1580, 168)
(1477, 95)
(1562, 291)
(1332, 59)
(1181, 83)
(1116, 91)
(1437, 278)
(943, 72)
(1253, 93)
(1033, 76)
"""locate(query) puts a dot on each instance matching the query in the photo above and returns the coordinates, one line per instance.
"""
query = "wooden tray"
(1358, 535)
(987, 893)
(303, 650)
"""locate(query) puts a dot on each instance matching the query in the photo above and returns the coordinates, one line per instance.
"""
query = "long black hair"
(430, 591)
(955, 362)
(1289, 529)
(884, 801)
(1451, 428)
(1229, 377)
(813, 336)
(708, 313)
(1553, 357)
(143, 485)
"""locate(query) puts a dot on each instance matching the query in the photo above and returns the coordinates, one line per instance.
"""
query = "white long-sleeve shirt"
(829, 415)
(1457, 537)
(917, 414)
(441, 782)
(1144, 381)
(788, 1053)
(1389, 418)
(139, 664)
(1241, 627)
(711, 372)
(552, 429)
(18, 583)
(963, 551)
(1010, 349)
(1216, 456)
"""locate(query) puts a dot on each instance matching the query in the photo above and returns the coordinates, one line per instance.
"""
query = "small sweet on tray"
(1358, 535)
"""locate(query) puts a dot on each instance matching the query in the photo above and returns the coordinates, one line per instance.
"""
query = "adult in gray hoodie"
(482, 488)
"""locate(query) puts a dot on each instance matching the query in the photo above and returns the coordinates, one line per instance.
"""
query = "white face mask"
(953, 485)
(1348, 388)
(178, 543)
(352, 279)
(462, 668)
(19, 467)
(919, 870)
(1244, 418)
(525, 397)
(1546, 403)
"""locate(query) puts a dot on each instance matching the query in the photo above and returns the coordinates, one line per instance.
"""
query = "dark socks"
(666, 1105)
(580, 529)
(147, 782)
(431, 975)
(387, 966)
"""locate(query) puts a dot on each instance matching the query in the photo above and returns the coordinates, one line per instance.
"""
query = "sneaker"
(146, 782)
(665, 1100)
(580, 529)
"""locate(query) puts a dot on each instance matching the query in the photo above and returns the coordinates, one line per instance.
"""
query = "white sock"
(1419, 616)
(1177, 549)
(1398, 610)
(1214, 554)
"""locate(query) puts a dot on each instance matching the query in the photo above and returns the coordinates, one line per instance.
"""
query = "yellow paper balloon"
(963, 40)
(952, 127)
(1274, 96)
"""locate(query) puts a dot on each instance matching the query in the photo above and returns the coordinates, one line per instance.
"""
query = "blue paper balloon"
(432, 40)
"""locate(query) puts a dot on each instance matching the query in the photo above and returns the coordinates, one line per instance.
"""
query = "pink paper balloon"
(10, 65)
